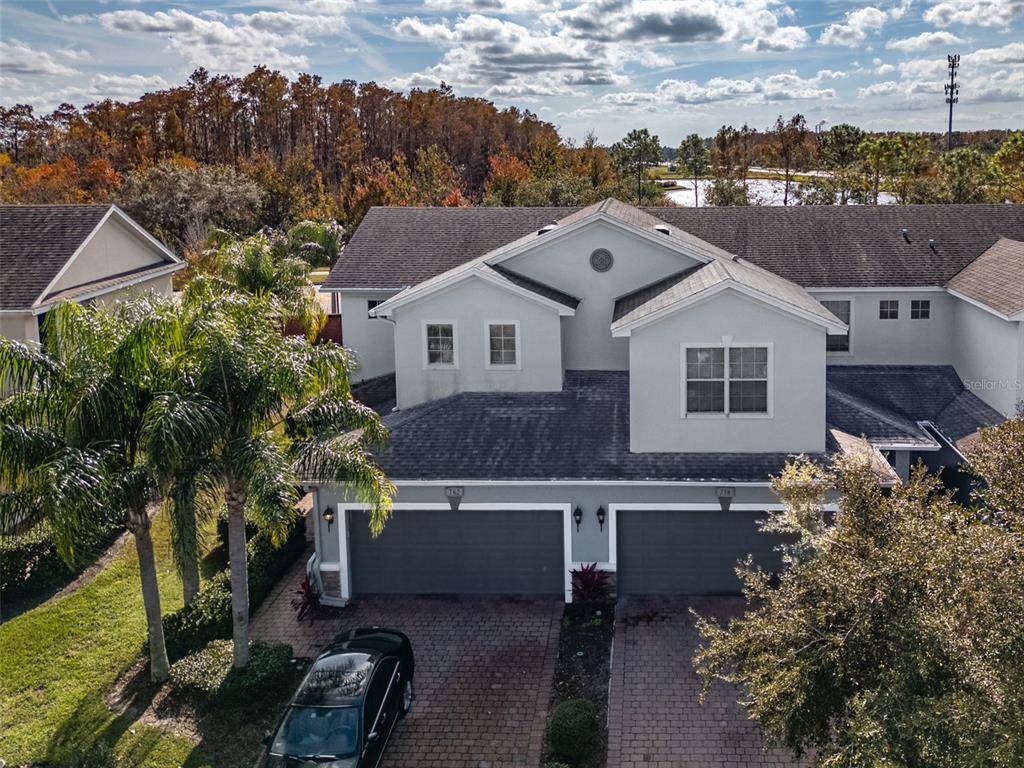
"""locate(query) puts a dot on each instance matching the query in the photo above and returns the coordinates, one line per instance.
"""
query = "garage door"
(465, 551)
(688, 552)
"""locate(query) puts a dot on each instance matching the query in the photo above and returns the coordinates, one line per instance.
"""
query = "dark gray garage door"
(688, 552)
(467, 551)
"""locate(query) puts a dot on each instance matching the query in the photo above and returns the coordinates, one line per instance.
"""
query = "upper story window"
(503, 345)
(838, 342)
(726, 380)
(920, 309)
(439, 351)
(889, 309)
(372, 304)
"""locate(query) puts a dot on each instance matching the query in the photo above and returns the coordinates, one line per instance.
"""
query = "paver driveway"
(655, 718)
(483, 672)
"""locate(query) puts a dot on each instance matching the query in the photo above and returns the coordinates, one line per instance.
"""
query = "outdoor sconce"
(577, 515)
(328, 516)
(602, 515)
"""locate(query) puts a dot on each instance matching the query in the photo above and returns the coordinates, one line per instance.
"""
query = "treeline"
(848, 165)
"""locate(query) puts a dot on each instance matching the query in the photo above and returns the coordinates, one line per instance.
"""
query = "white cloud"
(785, 86)
(923, 41)
(983, 13)
(235, 43)
(18, 58)
(855, 27)
(511, 7)
(75, 54)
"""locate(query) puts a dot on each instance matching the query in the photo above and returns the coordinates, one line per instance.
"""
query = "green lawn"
(57, 662)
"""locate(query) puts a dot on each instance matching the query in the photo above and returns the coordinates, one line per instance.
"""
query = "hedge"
(573, 729)
(208, 617)
(30, 565)
(208, 674)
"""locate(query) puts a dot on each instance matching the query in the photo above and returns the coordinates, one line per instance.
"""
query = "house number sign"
(454, 494)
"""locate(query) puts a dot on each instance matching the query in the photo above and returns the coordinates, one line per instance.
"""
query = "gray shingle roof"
(996, 278)
(882, 402)
(582, 432)
(814, 246)
(541, 289)
(36, 241)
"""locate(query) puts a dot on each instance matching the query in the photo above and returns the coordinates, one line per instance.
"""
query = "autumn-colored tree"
(789, 149)
(57, 182)
(506, 177)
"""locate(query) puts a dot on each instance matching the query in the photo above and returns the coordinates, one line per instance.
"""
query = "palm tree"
(90, 420)
(288, 417)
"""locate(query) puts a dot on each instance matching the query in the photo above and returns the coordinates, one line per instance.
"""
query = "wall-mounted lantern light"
(725, 497)
(328, 516)
(602, 515)
(577, 515)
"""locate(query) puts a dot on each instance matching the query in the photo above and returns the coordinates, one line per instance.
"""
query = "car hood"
(280, 761)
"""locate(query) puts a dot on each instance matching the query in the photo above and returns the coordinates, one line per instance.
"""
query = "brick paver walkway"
(655, 718)
(483, 671)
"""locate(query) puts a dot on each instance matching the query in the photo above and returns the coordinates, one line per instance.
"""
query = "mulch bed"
(583, 669)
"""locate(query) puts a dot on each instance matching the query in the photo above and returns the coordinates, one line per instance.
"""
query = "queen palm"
(288, 416)
(89, 420)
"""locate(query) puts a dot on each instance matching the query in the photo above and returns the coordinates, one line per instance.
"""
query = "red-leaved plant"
(308, 601)
(590, 584)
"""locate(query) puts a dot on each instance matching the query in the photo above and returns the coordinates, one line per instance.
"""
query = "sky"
(672, 66)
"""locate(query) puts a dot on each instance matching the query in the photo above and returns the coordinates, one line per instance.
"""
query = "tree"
(180, 201)
(789, 149)
(964, 176)
(839, 147)
(1008, 167)
(893, 637)
(634, 154)
(693, 156)
(288, 416)
(507, 174)
(91, 419)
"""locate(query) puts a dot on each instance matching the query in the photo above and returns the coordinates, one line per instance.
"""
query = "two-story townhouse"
(617, 385)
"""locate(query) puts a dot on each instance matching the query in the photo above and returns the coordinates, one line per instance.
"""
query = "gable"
(114, 249)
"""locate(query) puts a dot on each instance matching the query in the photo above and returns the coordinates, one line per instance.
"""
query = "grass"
(58, 661)
(317, 276)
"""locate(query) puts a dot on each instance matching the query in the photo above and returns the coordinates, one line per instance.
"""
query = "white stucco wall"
(114, 249)
(796, 381)
(372, 341)
(988, 354)
(895, 342)
(21, 326)
(564, 263)
(471, 305)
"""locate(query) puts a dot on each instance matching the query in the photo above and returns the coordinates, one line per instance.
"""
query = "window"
(889, 309)
(838, 342)
(920, 309)
(502, 345)
(372, 304)
(440, 344)
(726, 380)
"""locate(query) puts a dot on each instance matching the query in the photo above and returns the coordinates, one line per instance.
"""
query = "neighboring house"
(84, 253)
(617, 385)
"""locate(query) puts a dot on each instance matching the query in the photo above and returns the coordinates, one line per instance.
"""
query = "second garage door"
(490, 551)
(688, 552)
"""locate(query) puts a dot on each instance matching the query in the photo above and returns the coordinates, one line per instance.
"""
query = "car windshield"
(317, 732)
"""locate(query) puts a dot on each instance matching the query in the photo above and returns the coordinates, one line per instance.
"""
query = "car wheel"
(406, 697)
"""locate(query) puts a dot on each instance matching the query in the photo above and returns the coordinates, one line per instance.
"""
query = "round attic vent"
(601, 260)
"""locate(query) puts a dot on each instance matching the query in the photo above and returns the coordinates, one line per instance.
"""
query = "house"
(55, 253)
(617, 385)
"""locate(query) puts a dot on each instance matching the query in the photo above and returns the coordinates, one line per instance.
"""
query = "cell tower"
(952, 89)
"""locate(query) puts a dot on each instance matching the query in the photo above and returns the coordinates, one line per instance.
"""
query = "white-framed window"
(501, 338)
(889, 309)
(843, 309)
(728, 379)
(920, 309)
(440, 344)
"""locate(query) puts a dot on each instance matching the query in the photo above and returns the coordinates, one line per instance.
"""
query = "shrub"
(573, 730)
(30, 565)
(556, 765)
(208, 674)
(590, 584)
(209, 616)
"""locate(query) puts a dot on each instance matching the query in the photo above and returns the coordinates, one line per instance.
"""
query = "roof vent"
(547, 228)
(906, 237)
(663, 229)
(931, 244)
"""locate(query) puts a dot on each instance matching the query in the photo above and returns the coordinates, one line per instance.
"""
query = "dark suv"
(347, 705)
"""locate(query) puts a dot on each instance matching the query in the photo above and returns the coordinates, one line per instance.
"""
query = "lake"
(762, 191)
